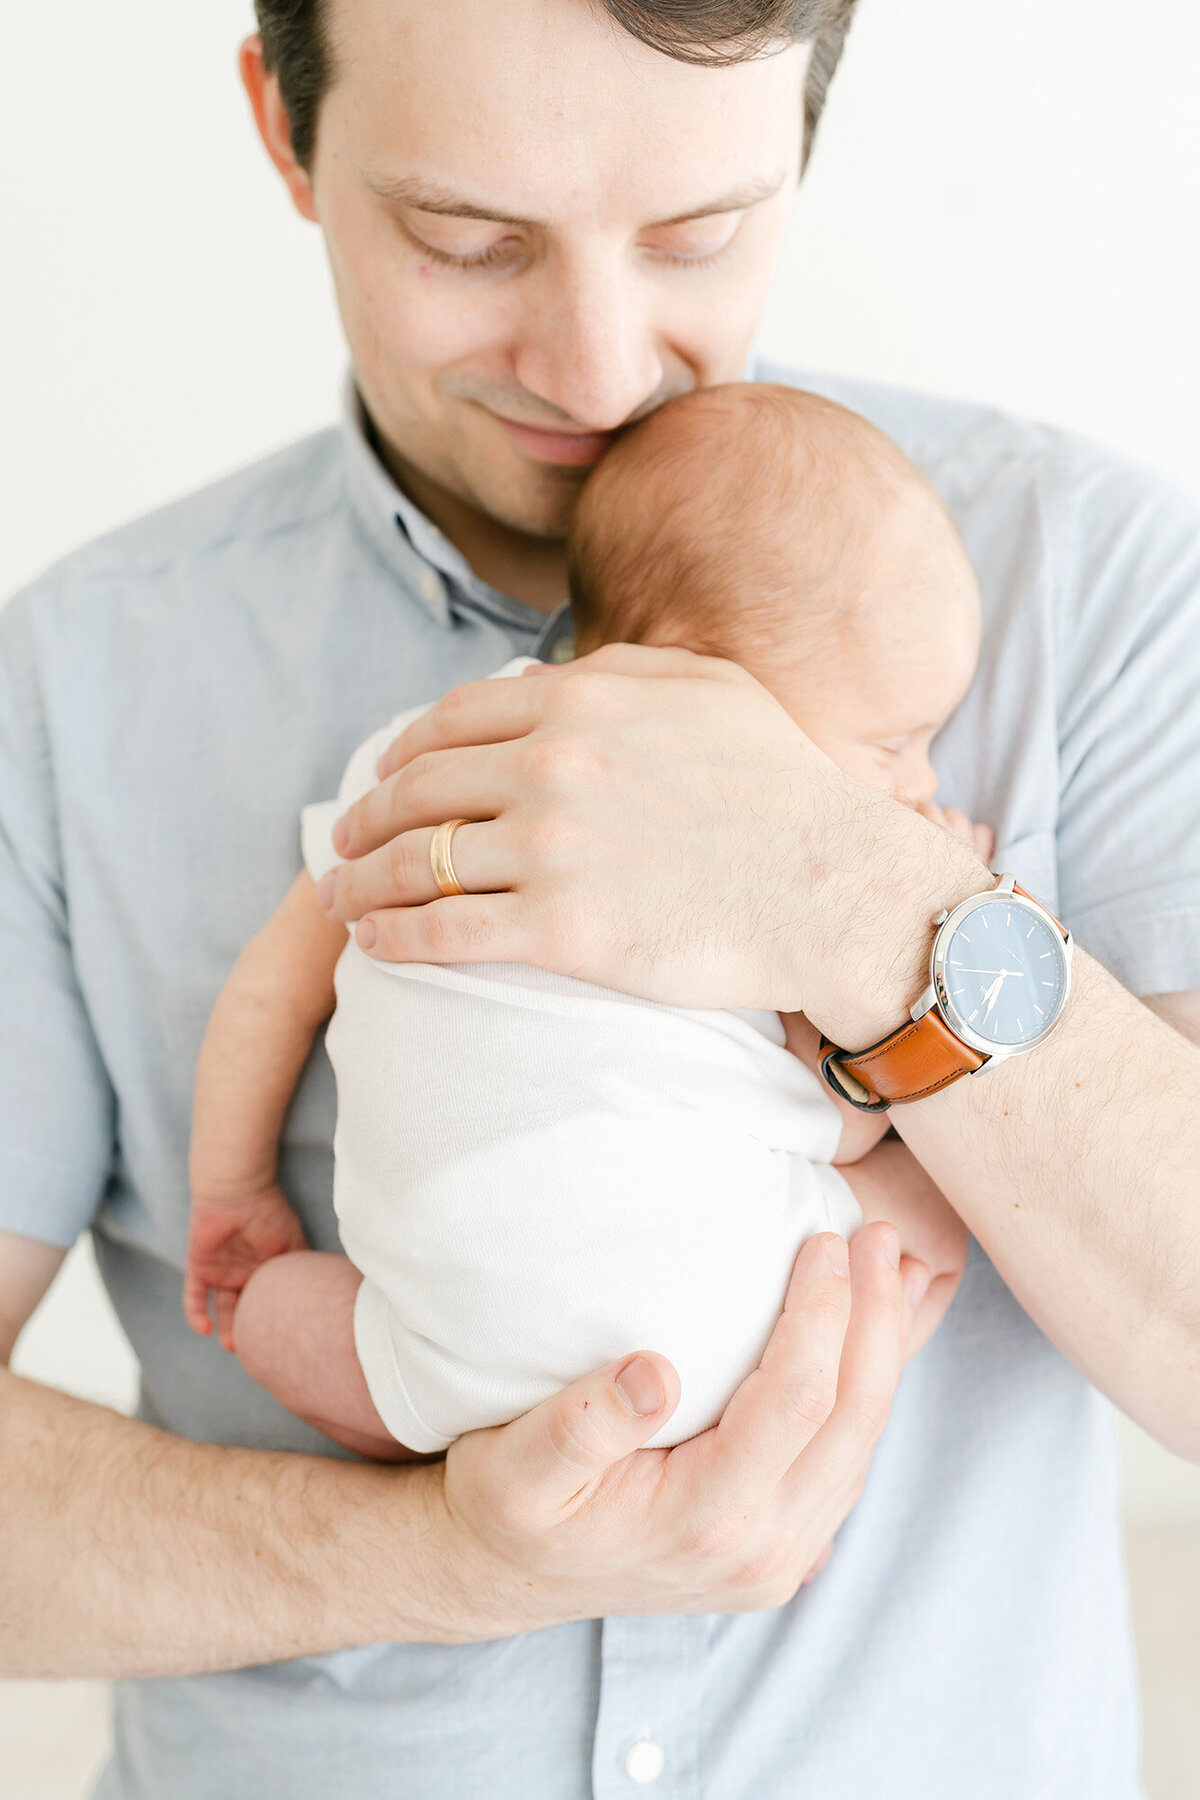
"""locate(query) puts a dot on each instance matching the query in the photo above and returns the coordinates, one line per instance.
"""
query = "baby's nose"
(917, 782)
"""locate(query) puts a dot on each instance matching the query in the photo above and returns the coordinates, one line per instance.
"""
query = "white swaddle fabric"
(536, 1175)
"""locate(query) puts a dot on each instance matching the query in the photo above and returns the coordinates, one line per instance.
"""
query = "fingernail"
(916, 1285)
(364, 935)
(324, 891)
(640, 1388)
(340, 836)
(891, 1248)
(837, 1254)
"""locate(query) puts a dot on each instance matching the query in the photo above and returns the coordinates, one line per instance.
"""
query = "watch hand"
(960, 969)
(992, 995)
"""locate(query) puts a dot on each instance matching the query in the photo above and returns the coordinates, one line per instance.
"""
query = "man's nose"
(588, 345)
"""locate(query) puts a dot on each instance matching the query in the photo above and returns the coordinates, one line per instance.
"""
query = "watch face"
(1003, 976)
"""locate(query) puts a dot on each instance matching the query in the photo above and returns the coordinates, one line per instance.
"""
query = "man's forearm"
(1078, 1169)
(125, 1551)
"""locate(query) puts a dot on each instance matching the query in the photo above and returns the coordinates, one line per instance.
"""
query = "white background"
(1004, 205)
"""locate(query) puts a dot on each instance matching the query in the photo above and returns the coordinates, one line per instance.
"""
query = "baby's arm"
(257, 1041)
(889, 1183)
(861, 1131)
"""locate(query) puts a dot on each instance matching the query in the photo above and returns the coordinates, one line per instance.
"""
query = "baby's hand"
(229, 1239)
(979, 838)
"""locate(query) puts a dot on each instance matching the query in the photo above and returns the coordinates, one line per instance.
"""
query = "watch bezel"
(937, 994)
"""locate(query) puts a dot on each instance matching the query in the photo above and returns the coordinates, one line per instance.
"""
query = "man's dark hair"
(718, 32)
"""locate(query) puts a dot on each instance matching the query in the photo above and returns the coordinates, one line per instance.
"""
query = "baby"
(535, 1175)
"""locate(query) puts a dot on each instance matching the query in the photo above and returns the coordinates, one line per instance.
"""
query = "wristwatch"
(999, 978)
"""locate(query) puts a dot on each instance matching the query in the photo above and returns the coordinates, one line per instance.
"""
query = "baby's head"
(771, 527)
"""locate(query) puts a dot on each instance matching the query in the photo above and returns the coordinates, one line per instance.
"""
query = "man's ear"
(270, 115)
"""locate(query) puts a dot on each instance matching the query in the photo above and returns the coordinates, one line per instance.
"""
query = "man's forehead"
(490, 102)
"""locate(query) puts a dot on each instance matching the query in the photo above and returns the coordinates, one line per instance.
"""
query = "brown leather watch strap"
(1026, 895)
(923, 1056)
(915, 1061)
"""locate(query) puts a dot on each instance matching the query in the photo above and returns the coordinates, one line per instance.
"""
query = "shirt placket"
(648, 1721)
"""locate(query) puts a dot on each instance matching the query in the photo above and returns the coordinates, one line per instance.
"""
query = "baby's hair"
(749, 489)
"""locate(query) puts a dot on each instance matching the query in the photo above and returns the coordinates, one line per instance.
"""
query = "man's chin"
(537, 504)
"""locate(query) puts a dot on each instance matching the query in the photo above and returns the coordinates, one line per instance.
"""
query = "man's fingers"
(571, 1439)
(399, 874)
(664, 661)
(468, 928)
(871, 1361)
(479, 712)
(497, 711)
(784, 1403)
(470, 783)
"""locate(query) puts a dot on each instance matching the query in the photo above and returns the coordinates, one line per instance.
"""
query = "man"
(542, 221)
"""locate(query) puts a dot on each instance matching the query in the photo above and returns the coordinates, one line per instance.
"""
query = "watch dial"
(1005, 973)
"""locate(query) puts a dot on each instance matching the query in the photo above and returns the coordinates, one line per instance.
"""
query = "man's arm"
(1078, 1169)
(1180, 1010)
(667, 829)
(126, 1552)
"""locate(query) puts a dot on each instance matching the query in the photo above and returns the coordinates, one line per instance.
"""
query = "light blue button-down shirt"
(169, 699)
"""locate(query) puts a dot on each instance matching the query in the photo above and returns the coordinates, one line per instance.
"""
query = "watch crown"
(940, 918)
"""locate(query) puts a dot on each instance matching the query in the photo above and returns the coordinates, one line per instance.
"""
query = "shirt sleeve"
(57, 1108)
(1128, 657)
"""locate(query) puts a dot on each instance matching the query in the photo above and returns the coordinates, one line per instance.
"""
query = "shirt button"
(563, 650)
(645, 1761)
(431, 586)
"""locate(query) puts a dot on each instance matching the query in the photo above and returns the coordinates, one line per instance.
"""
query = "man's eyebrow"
(427, 197)
(736, 201)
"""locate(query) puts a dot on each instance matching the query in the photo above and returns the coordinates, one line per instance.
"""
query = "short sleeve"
(57, 1109)
(1129, 727)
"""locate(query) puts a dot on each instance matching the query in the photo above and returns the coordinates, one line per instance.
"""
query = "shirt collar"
(437, 574)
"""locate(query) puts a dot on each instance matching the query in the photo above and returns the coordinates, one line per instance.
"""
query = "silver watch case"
(936, 997)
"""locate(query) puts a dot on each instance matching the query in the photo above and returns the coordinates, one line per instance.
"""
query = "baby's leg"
(889, 1183)
(293, 1331)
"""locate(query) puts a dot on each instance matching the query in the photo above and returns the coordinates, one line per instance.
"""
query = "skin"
(495, 387)
(132, 1552)
(126, 1551)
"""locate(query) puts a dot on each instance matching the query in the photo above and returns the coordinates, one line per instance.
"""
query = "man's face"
(539, 230)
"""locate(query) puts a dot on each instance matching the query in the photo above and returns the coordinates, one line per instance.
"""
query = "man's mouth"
(571, 449)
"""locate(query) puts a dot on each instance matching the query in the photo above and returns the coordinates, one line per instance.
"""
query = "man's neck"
(530, 569)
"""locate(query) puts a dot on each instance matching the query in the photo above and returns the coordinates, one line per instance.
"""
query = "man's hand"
(654, 821)
(212, 1558)
(563, 1507)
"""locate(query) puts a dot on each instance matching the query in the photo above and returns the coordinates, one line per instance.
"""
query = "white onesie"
(536, 1175)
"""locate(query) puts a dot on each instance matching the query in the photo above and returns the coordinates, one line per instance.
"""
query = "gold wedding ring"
(439, 858)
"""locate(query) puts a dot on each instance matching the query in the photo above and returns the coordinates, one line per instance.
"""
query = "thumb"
(572, 1438)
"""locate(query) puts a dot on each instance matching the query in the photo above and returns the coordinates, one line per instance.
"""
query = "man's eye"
(696, 244)
(505, 251)
(470, 249)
